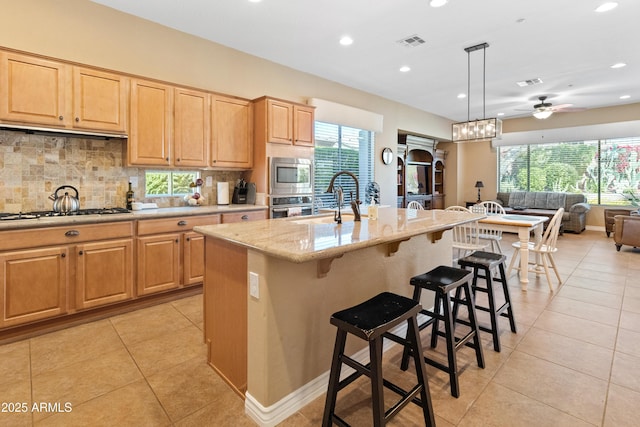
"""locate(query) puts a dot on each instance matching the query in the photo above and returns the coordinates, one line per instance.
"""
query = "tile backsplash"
(33, 166)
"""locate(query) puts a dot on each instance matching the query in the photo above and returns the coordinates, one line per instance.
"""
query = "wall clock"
(387, 156)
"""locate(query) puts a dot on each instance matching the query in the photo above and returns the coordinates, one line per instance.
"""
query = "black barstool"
(482, 264)
(370, 321)
(442, 280)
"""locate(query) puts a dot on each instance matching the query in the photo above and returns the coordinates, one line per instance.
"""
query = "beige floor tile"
(596, 285)
(626, 371)
(594, 360)
(227, 410)
(16, 395)
(630, 320)
(575, 327)
(132, 405)
(168, 350)
(500, 406)
(148, 323)
(628, 342)
(593, 297)
(85, 380)
(583, 310)
(187, 387)
(603, 276)
(622, 407)
(69, 346)
(631, 304)
(15, 362)
(191, 307)
(570, 391)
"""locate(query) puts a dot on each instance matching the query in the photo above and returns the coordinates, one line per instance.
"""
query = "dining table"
(522, 225)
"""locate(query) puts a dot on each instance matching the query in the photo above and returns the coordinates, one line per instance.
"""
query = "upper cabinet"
(100, 100)
(34, 90)
(44, 92)
(192, 124)
(284, 122)
(231, 133)
(151, 126)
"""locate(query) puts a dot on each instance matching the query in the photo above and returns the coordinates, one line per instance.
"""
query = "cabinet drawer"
(170, 225)
(38, 237)
(243, 216)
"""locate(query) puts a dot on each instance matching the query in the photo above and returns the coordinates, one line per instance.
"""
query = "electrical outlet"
(254, 284)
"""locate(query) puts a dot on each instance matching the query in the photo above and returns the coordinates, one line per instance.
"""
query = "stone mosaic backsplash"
(33, 166)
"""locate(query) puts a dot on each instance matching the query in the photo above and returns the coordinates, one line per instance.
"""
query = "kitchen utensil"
(66, 203)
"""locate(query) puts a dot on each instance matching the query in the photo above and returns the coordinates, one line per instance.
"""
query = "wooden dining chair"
(543, 251)
(466, 237)
(414, 204)
(489, 234)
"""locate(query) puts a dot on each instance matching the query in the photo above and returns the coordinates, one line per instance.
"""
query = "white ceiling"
(563, 42)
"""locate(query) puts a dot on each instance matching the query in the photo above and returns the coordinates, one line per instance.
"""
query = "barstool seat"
(370, 321)
(442, 280)
(483, 263)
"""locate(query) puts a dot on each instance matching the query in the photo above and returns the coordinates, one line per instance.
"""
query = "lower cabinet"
(34, 284)
(169, 254)
(104, 272)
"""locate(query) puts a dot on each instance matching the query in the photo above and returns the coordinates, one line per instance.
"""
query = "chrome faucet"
(355, 203)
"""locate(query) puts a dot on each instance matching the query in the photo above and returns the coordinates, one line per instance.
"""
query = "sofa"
(626, 230)
(546, 203)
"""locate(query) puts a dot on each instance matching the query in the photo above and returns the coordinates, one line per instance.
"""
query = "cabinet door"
(303, 125)
(33, 90)
(232, 137)
(99, 100)
(244, 216)
(150, 128)
(34, 285)
(104, 272)
(191, 128)
(279, 122)
(158, 263)
(193, 260)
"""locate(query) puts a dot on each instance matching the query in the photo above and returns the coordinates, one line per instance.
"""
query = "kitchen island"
(271, 286)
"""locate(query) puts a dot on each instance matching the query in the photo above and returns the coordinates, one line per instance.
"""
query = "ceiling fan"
(544, 110)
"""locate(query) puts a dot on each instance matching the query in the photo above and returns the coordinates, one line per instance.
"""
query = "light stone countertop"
(306, 238)
(134, 215)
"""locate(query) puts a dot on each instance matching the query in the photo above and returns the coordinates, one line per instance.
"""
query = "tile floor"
(575, 361)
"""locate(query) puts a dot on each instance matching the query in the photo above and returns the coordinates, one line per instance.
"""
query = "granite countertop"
(133, 215)
(307, 238)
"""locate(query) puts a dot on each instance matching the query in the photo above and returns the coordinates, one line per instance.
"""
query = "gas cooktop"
(41, 214)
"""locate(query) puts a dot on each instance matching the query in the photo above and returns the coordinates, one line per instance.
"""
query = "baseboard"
(292, 403)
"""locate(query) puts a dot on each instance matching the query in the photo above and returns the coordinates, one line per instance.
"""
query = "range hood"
(61, 132)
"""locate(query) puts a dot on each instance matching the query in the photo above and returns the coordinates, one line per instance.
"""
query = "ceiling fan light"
(542, 114)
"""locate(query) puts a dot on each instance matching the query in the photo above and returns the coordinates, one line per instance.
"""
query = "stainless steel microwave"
(290, 176)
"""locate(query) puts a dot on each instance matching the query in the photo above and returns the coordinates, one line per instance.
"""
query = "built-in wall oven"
(287, 206)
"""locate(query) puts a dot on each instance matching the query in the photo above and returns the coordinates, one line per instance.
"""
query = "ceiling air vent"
(411, 41)
(529, 82)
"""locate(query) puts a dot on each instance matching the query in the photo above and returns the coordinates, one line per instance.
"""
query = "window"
(341, 148)
(606, 171)
(169, 183)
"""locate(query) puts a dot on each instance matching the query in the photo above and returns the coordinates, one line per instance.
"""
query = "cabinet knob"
(166, 158)
(178, 159)
(182, 223)
(60, 118)
(188, 239)
(81, 253)
(177, 241)
(72, 233)
(77, 119)
(63, 255)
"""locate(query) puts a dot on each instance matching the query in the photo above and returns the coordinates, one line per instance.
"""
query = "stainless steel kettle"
(66, 203)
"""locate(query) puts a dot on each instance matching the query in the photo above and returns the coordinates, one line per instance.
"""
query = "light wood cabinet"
(169, 254)
(34, 90)
(232, 133)
(104, 272)
(34, 284)
(100, 100)
(283, 122)
(151, 125)
(192, 123)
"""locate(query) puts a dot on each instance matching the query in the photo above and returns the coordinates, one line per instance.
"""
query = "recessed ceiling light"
(625, 97)
(437, 3)
(605, 7)
(500, 114)
(255, 1)
(462, 95)
(346, 41)
(405, 69)
(619, 65)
